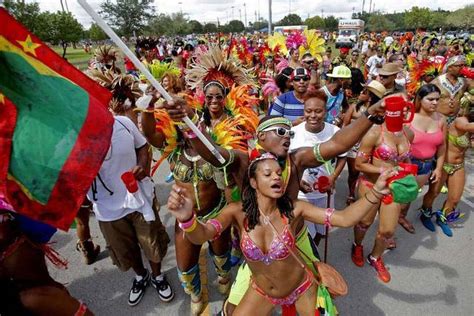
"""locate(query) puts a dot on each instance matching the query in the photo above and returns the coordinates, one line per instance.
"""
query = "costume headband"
(256, 155)
(214, 83)
(273, 121)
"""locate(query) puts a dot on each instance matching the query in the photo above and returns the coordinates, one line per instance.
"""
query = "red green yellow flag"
(55, 128)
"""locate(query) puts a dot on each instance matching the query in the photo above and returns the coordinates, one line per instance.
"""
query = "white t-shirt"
(303, 138)
(372, 63)
(120, 158)
(388, 41)
(365, 46)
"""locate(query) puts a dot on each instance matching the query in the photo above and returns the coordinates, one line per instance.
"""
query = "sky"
(225, 10)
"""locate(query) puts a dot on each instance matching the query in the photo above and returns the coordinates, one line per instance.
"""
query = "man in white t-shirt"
(314, 130)
(388, 40)
(375, 62)
(130, 222)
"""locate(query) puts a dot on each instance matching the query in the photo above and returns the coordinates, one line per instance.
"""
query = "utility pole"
(245, 14)
(322, 13)
(289, 7)
(363, 5)
(240, 15)
(256, 19)
(269, 17)
(258, 9)
(370, 6)
(232, 12)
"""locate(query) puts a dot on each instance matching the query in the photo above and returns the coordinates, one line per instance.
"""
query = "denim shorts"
(425, 166)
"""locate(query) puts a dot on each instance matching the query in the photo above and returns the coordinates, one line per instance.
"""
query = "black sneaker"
(165, 292)
(138, 289)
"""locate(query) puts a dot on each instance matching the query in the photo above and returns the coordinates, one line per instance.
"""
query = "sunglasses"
(282, 132)
(218, 98)
(384, 76)
(299, 78)
(309, 62)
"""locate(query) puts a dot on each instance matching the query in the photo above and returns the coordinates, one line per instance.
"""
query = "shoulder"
(125, 122)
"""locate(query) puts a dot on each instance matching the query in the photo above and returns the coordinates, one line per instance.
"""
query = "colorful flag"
(55, 128)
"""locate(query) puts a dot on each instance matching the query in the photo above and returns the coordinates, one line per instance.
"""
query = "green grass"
(78, 57)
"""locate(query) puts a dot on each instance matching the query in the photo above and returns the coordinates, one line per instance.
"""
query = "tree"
(331, 23)
(235, 26)
(378, 22)
(291, 19)
(26, 13)
(96, 33)
(258, 25)
(64, 29)
(462, 18)
(196, 27)
(210, 28)
(315, 22)
(128, 16)
(160, 25)
(418, 18)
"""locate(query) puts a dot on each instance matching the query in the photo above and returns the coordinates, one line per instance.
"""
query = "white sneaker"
(138, 289)
(165, 292)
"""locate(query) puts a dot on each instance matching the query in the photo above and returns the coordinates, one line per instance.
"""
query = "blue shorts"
(425, 166)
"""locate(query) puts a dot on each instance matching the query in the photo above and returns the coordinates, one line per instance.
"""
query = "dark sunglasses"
(299, 78)
(309, 62)
(282, 132)
(219, 98)
(384, 76)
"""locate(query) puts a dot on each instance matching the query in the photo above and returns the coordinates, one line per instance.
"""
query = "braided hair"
(250, 203)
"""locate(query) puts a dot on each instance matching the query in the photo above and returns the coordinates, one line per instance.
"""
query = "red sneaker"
(379, 266)
(357, 255)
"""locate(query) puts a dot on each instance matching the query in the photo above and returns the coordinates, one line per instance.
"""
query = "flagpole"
(147, 74)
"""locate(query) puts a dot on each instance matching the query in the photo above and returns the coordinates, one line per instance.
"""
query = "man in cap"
(290, 104)
(387, 75)
(375, 62)
(339, 80)
(311, 65)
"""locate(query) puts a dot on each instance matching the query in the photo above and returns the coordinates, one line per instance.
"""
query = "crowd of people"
(286, 116)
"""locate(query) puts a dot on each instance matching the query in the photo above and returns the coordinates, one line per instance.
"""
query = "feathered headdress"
(313, 44)
(214, 65)
(239, 103)
(122, 86)
(418, 70)
(277, 41)
(159, 69)
(105, 57)
(167, 127)
(295, 40)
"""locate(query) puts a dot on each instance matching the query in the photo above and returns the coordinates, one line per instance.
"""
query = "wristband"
(218, 226)
(189, 225)
(327, 218)
(373, 203)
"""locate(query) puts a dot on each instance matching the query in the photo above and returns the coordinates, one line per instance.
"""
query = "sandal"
(402, 220)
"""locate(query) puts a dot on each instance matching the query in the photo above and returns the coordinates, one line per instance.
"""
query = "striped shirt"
(287, 105)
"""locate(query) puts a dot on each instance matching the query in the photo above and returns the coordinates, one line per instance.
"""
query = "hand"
(377, 108)
(139, 172)
(180, 203)
(436, 176)
(177, 109)
(305, 187)
(332, 182)
(381, 184)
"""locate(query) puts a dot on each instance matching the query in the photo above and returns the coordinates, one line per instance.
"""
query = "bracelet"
(183, 126)
(189, 225)
(327, 218)
(373, 203)
(218, 226)
(317, 153)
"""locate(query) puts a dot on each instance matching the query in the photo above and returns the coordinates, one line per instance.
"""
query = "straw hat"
(341, 71)
(376, 88)
(389, 69)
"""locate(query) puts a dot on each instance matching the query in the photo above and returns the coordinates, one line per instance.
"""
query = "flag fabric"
(55, 128)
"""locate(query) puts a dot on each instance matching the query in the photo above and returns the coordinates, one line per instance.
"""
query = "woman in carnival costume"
(230, 120)
(267, 219)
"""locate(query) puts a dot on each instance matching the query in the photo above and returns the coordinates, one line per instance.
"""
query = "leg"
(187, 257)
(85, 244)
(351, 179)
(305, 305)
(447, 214)
(220, 253)
(402, 220)
(357, 252)
(51, 300)
(253, 304)
(426, 208)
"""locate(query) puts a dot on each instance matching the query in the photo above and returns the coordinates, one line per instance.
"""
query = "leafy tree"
(378, 22)
(64, 29)
(210, 28)
(128, 15)
(258, 25)
(235, 26)
(196, 27)
(418, 18)
(462, 18)
(160, 25)
(96, 33)
(291, 19)
(26, 13)
(315, 22)
(331, 23)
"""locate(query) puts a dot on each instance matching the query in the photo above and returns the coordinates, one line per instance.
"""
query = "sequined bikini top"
(187, 174)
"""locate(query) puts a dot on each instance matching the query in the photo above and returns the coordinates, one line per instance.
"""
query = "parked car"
(450, 35)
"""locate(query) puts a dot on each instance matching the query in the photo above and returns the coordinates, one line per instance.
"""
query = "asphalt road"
(432, 274)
